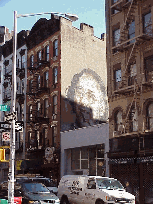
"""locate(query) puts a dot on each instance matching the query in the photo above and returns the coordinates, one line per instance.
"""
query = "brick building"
(66, 73)
(130, 95)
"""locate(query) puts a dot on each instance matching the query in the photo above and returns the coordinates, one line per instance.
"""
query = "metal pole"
(12, 141)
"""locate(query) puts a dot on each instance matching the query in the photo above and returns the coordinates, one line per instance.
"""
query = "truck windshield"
(109, 184)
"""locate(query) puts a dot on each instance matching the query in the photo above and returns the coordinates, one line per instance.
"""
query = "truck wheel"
(99, 202)
(64, 201)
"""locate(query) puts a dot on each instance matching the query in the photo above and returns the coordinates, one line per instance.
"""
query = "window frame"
(55, 48)
(46, 106)
(116, 42)
(55, 75)
(47, 53)
(149, 24)
(55, 102)
(149, 117)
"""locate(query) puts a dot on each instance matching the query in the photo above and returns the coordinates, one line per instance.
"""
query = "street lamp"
(72, 17)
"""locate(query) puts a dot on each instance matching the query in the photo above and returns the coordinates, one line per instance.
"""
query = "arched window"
(133, 120)
(150, 116)
(118, 120)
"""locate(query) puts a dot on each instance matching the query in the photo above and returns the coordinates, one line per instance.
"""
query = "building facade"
(66, 74)
(7, 54)
(84, 151)
(130, 96)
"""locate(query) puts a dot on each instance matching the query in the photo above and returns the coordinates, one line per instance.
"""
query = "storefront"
(84, 151)
(132, 164)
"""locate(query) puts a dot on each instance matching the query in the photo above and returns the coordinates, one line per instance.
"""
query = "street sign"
(5, 136)
(4, 108)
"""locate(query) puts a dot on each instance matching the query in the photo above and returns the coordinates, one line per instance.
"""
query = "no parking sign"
(5, 136)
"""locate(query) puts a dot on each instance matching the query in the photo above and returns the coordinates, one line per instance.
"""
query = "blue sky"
(91, 12)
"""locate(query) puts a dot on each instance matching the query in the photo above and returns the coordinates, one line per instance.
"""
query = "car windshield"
(35, 188)
(106, 183)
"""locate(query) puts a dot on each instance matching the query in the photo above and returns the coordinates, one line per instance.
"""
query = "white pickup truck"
(78, 189)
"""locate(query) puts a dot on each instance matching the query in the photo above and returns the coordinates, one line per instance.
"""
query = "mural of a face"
(86, 91)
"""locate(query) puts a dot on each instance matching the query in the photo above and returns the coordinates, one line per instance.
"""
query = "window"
(38, 138)
(55, 105)
(45, 107)
(133, 74)
(46, 76)
(45, 133)
(30, 112)
(30, 85)
(147, 24)
(148, 67)
(38, 109)
(31, 60)
(47, 53)
(150, 116)
(39, 57)
(116, 37)
(55, 48)
(38, 82)
(23, 61)
(114, 1)
(91, 184)
(118, 78)
(133, 120)
(54, 135)
(118, 120)
(55, 72)
(131, 33)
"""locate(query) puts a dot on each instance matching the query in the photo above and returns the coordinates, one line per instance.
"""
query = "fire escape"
(129, 47)
(37, 88)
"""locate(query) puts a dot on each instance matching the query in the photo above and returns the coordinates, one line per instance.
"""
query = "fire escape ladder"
(128, 20)
(134, 98)
(131, 55)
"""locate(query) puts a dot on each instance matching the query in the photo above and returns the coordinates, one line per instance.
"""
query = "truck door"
(90, 191)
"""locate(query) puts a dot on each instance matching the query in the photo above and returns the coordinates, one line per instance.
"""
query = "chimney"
(102, 36)
(87, 28)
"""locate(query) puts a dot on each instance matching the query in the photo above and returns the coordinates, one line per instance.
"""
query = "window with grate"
(55, 48)
(150, 116)
(147, 24)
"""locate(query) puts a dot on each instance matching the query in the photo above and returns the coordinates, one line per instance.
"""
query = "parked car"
(37, 193)
(92, 190)
(49, 183)
(4, 190)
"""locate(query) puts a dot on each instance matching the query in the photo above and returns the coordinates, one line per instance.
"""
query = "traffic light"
(2, 155)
